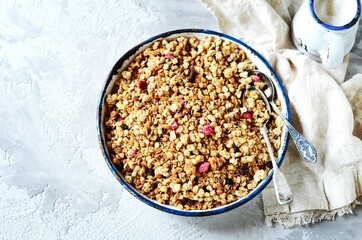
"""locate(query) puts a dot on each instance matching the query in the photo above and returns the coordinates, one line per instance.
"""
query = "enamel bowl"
(123, 62)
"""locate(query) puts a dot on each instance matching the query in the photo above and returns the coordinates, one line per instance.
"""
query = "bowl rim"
(171, 209)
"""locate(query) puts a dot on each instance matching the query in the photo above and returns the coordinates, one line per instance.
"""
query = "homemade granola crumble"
(178, 128)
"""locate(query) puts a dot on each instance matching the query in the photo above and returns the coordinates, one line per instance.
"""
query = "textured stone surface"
(54, 183)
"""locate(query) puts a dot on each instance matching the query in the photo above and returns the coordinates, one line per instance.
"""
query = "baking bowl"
(128, 57)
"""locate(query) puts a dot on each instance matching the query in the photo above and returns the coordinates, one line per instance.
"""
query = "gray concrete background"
(54, 183)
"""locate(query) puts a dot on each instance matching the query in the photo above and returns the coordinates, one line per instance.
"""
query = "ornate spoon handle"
(282, 189)
(305, 148)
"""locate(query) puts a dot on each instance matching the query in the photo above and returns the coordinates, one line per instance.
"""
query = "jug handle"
(333, 56)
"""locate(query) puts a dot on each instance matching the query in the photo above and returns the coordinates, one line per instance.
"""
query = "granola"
(182, 126)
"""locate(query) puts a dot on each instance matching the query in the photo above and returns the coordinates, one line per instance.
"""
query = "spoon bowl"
(305, 148)
(282, 189)
(269, 91)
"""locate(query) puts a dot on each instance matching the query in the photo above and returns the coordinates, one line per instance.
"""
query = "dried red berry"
(247, 115)
(236, 149)
(204, 167)
(192, 75)
(207, 130)
(132, 153)
(174, 125)
(151, 171)
(243, 171)
(229, 181)
(119, 119)
(169, 56)
(269, 164)
(142, 85)
(256, 78)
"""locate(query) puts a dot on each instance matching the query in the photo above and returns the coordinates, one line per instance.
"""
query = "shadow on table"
(248, 217)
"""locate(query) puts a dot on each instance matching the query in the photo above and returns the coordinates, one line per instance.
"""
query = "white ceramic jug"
(326, 30)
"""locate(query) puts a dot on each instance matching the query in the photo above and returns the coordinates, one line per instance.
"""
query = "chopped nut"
(260, 175)
(172, 135)
(175, 187)
(174, 107)
(228, 73)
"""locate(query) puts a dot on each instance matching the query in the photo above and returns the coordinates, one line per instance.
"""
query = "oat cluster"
(182, 126)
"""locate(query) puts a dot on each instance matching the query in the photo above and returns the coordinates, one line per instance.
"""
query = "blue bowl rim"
(139, 196)
(348, 25)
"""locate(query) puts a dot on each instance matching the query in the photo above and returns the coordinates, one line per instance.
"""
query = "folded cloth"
(325, 110)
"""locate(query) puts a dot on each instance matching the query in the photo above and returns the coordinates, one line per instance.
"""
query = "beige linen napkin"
(328, 114)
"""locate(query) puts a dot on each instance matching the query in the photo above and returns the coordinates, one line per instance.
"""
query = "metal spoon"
(282, 189)
(305, 148)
